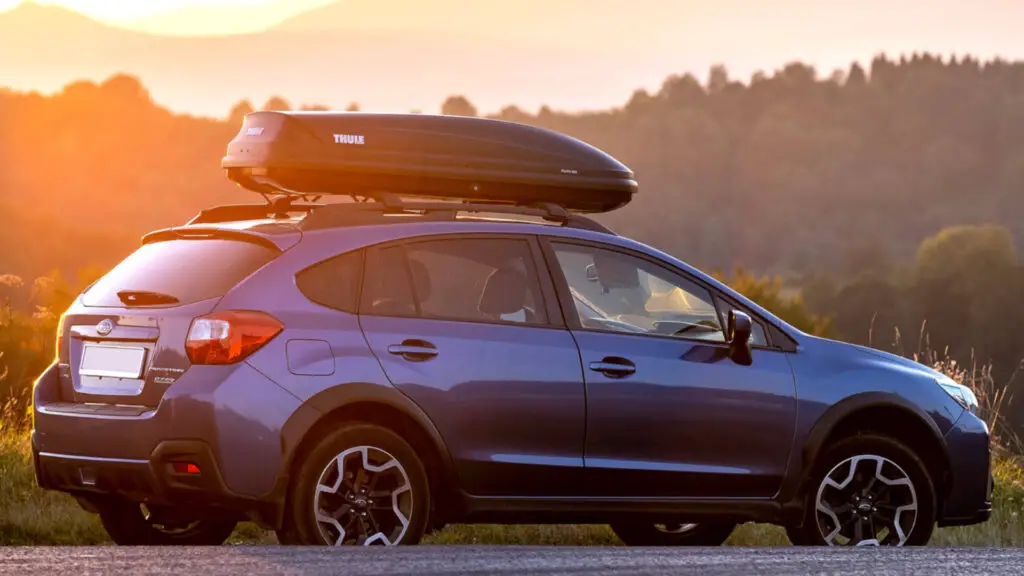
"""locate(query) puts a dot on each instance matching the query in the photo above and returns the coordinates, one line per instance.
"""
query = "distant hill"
(44, 48)
(397, 55)
(594, 23)
(222, 19)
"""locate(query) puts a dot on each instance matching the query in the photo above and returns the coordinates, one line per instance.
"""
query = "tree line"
(881, 205)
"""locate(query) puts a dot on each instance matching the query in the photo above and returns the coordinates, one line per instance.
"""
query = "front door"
(462, 326)
(669, 413)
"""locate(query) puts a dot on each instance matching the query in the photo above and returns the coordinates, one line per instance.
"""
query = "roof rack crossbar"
(347, 214)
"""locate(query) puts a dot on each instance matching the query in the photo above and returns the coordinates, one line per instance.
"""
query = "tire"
(435, 527)
(128, 524)
(641, 534)
(852, 467)
(388, 504)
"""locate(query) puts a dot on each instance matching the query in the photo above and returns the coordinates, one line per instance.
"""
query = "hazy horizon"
(538, 53)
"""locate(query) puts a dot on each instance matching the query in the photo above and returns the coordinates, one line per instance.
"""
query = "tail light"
(228, 337)
(185, 468)
(60, 337)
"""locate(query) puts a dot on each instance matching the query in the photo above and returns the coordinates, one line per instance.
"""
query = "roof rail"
(335, 215)
(372, 209)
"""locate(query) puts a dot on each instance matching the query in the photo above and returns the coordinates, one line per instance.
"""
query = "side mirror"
(738, 333)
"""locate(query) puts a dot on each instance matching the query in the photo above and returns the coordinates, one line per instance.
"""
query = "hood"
(890, 358)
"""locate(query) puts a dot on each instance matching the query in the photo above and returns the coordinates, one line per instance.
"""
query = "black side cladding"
(428, 156)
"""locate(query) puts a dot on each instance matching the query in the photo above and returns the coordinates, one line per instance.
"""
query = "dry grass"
(30, 516)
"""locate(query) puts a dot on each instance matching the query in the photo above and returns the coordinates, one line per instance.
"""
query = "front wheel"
(362, 485)
(868, 490)
(642, 534)
(133, 524)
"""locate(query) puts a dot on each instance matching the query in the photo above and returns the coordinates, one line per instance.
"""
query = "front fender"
(814, 440)
(835, 414)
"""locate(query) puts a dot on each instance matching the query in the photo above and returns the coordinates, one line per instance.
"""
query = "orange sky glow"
(146, 15)
(538, 50)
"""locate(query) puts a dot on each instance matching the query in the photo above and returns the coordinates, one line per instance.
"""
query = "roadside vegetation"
(30, 516)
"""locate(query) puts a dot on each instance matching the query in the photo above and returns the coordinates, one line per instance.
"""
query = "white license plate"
(112, 361)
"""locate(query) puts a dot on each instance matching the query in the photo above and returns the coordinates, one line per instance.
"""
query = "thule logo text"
(356, 139)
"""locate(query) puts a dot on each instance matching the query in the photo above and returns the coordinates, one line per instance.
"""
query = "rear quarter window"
(188, 270)
(334, 283)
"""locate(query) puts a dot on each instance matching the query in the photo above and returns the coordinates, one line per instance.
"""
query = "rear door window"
(180, 271)
(467, 279)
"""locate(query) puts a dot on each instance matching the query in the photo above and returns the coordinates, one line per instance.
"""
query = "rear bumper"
(227, 420)
(969, 497)
(153, 480)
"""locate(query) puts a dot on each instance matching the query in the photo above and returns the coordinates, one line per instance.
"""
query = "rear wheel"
(133, 524)
(362, 485)
(868, 490)
(641, 534)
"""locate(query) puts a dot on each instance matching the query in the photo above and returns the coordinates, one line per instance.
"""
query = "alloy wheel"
(363, 497)
(866, 500)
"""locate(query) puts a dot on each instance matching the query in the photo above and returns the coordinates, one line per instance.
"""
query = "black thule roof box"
(441, 157)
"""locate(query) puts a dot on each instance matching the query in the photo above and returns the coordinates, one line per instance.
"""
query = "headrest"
(420, 279)
(504, 292)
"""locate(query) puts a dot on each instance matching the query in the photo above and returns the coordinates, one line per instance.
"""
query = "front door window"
(623, 293)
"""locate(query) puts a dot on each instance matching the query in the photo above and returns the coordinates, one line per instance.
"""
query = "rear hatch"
(123, 341)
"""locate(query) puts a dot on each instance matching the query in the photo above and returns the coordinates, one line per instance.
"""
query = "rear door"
(123, 341)
(468, 327)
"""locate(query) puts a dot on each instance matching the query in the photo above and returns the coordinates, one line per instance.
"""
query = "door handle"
(414, 350)
(613, 367)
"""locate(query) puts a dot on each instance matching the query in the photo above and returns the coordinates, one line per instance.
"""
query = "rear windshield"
(186, 270)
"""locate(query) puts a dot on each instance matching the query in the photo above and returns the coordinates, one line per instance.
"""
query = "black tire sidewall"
(897, 452)
(300, 523)
(644, 534)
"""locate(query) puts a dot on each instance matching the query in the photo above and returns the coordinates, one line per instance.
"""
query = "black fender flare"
(328, 400)
(815, 439)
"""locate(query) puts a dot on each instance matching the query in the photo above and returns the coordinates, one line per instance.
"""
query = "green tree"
(770, 293)
(966, 253)
(238, 112)
(458, 106)
(277, 103)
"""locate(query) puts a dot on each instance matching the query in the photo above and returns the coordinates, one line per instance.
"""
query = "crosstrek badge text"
(357, 139)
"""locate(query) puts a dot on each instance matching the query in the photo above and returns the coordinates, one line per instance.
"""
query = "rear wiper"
(145, 298)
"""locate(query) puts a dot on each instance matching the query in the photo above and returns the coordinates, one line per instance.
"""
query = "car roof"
(333, 229)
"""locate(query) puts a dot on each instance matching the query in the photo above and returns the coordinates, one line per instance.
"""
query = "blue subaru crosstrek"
(366, 372)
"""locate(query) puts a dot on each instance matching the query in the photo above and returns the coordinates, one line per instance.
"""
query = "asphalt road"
(463, 560)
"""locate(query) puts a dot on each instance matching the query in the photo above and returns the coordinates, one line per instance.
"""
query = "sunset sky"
(146, 14)
(931, 24)
(569, 54)
(116, 10)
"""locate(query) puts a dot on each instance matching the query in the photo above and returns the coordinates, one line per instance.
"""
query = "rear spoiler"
(200, 232)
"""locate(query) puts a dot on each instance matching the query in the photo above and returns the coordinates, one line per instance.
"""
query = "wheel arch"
(880, 412)
(374, 404)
